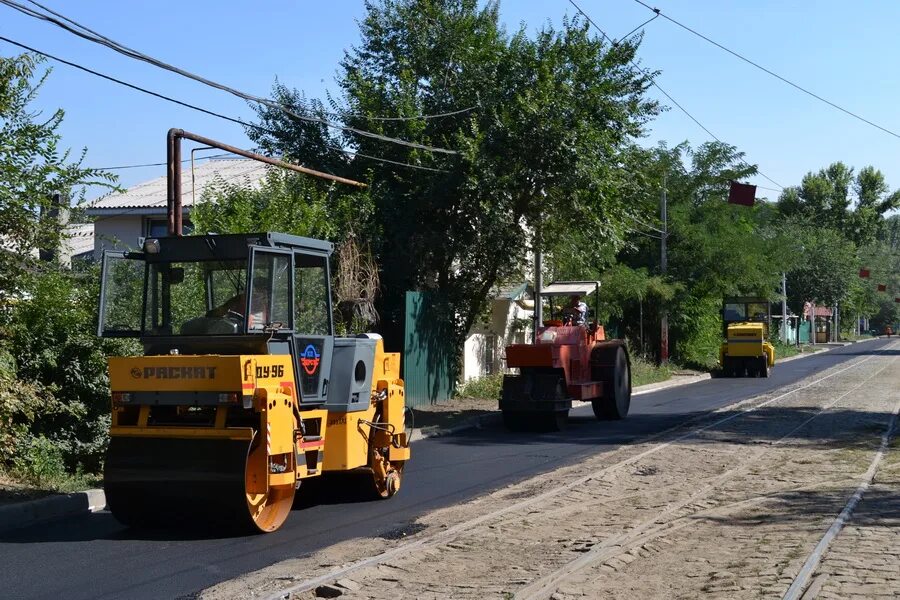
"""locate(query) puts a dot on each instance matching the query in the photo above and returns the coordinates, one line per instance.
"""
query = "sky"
(840, 50)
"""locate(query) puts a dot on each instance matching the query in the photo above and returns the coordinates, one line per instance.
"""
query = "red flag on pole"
(882, 287)
(742, 193)
(864, 273)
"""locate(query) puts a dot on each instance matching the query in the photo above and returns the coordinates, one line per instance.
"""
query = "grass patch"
(14, 488)
(786, 350)
(644, 371)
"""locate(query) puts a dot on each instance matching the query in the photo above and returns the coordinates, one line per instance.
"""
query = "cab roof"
(234, 246)
(570, 288)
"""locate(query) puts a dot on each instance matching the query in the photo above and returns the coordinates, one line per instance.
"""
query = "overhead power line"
(192, 107)
(664, 92)
(768, 71)
(92, 36)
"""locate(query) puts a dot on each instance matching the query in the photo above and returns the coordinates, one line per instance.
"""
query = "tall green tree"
(539, 155)
(835, 198)
(826, 268)
(33, 168)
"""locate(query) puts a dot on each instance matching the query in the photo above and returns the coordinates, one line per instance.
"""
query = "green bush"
(39, 461)
(56, 390)
(487, 387)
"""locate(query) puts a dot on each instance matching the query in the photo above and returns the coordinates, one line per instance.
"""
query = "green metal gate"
(429, 358)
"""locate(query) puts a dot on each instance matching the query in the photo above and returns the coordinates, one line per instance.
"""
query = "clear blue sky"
(843, 51)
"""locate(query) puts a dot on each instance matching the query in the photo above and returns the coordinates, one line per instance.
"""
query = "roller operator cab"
(746, 350)
(570, 359)
(242, 390)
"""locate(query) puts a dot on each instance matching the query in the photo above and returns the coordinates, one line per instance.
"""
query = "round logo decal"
(309, 360)
(136, 373)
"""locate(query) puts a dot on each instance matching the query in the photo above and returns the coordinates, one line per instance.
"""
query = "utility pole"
(784, 323)
(538, 284)
(641, 308)
(663, 263)
(837, 323)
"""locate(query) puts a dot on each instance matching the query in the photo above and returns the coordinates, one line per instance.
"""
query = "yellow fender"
(770, 353)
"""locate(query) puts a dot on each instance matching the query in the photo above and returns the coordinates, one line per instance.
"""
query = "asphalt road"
(95, 557)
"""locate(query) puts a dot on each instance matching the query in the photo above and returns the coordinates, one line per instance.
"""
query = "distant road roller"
(746, 322)
(571, 359)
(243, 390)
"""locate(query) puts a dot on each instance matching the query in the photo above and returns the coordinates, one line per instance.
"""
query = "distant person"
(576, 311)
(888, 330)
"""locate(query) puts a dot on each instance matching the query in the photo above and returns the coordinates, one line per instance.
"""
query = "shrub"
(39, 461)
(56, 391)
(487, 387)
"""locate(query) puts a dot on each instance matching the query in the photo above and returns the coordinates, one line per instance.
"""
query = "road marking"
(451, 532)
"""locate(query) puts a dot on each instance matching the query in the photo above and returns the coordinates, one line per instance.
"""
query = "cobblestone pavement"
(864, 561)
(727, 507)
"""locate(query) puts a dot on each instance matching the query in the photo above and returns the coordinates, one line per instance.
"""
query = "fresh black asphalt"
(95, 557)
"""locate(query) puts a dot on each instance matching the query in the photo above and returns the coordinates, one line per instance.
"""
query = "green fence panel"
(804, 332)
(429, 358)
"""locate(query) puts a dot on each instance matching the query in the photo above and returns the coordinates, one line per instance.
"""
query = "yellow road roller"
(746, 349)
(242, 390)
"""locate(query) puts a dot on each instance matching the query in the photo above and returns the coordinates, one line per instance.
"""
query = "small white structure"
(123, 219)
(510, 322)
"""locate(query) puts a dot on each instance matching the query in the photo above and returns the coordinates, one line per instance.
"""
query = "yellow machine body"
(349, 433)
(745, 347)
(243, 390)
(249, 403)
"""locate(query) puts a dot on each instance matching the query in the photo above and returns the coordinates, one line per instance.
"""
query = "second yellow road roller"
(242, 390)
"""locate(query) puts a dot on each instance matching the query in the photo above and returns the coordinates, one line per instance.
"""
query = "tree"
(284, 201)
(539, 155)
(826, 267)
(33, 169)
(834, 198)
(715, 249)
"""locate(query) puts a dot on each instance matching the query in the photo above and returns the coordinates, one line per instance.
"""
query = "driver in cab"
(575, 313)
(235, 306)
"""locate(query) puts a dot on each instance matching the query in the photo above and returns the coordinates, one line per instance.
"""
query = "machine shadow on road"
(103, 526)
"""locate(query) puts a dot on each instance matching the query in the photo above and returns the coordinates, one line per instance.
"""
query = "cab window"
(312, 313)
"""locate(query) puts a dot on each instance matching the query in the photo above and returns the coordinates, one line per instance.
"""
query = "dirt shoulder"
(728, 506)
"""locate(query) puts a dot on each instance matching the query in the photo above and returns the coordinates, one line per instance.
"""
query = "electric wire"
(335, 114)
(653, 82)
(92, 36)
(650, 20)
(647, 225)
(768, 71)
(192, 107)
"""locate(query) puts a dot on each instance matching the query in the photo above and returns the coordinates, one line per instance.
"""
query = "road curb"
(32, 512)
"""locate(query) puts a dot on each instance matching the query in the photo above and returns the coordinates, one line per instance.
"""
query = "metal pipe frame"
(174, 209)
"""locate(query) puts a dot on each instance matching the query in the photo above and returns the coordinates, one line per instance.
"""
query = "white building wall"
(484, 350)
(117, 233)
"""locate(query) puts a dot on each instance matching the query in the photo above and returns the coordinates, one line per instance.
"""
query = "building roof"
(79, 239)
(150, 197)
(513, 291)
(821, 311)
